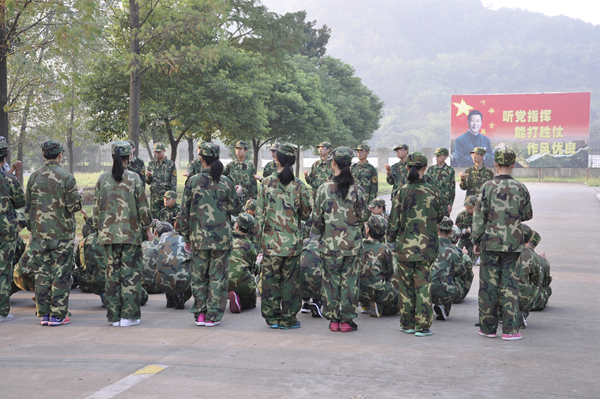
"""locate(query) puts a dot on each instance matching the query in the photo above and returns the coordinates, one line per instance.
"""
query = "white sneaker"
(364, 309)
(212, 323)
(129, 322)
(8, 317)
(116, 324)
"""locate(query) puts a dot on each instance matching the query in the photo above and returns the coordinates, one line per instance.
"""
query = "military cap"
(245, 221)
(200, 143)
(505, 157)
(210, 150)
(378, 224)
(2, 138)
(417, 159)
(275, 147)
(123, 147)
(52, 148)
(3, 148)
(401, 147)
(527, 232)
(446, 224)
(288, 149)
(163, 227)
(131, 143)
(442, 151)
(343, 154)
(171, 194)
(456, 233)
(159, 147)
(478, 150)
(363, 147)
(241, 144)
(377, 202)
(250, 205)
(325, 144)
(535, 238)
(470, 201)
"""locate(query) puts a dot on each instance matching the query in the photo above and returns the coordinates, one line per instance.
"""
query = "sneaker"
(170, 301)
(315, 308)
(348, 327)
(364, 309)
(234, 302)
(423, 333)
(334, 326)
(297, 325)
(44, 320)
(374, 310)
(522, 320)
(53, 322)
(201, 320)
(493, 335)
(511, 337)
(8, 317)
(129, 322)
(116, 324)
(305, 307)
(274, 326)
(210, 323)
(103, 299)
(179, 301)
(407, 330)
(440, 311)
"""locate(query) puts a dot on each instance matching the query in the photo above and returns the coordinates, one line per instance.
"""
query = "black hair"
(474, 112)
(345, 179)
(413, 174)
(216, 167)
(3, 157)
(445, 233)
(287, 174)
(374, 235)
(243, 229)
(118, 169)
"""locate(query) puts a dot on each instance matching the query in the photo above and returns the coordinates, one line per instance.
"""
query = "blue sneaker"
(44, 320)
(407, 330)
(53, 322)
(274, 326)
(297, 325)
(423, 333)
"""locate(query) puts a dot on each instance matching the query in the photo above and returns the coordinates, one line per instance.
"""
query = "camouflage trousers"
(445, 292)
(23, 276)
(243, 283)
(416, 310)
(280, 299)
(123, 281)
(52, 264)
(384, 293)
(541, 305)
(536, 301)
(466, 280)
(340, 287)
(173, 280)
(92, 282)
(310, 281)
(7, 252)
(157, 203)
(499, 278)
(210, 280)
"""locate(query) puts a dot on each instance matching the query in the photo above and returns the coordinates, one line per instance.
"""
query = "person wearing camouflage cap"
(464, 222)
(250, 206)
(441, 176)
(473, 177)
(271, 167)
(52, 201)
(545, 277)
(416, 211)
(498, 235)
(397, 174)
(195, 166)
(377, 270)
(241, 171)
(171, 208)
(243, 269)
(136, 164)
(340, 209)
(161, 176)
(283, 201)
(365, 174)
(377, 207)
(320, 171)
(471, 139)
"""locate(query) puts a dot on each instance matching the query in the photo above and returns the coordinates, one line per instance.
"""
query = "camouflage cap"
(210, 150)
(456, 233)
(200, 143)
(241, 144)
(401, 147)
(478, 150)
(159, 147)
(378, 224)
(505, 157)
(535, 238)
(442, 151)
(527, 232)
(446, 224)
(380, 202)
(123, 147)
(170, 194)
(343, 154)
(417, 159)
(2, 138)
(245, 221)
(288, 149)
(3, 148)
(163, 227)
(131, 143)
(470, 201)
(52, 148)
(325, 144)
(250, 205)
(275, 147)
(363, 147)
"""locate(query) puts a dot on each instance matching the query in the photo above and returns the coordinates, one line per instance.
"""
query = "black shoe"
(315, 309)
(348, 327)
(179, 301)
(170, 301)
(440, 310)
(305, 308)
(103, 299)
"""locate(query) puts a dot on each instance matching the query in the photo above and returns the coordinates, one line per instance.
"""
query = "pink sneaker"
(234, 302)
(201, 320)
(487, 335)
(511, 337)
(334, 326)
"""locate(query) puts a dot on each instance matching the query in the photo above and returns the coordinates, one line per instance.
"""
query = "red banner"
(544, 129)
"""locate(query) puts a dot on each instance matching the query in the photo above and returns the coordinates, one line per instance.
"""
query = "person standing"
(162, 177)
(365, 174)
(473, 177)
(136, 164)
(121, 214)
(195, 166)
(441, 176)
(498, 235)
(209, 201)
(416, 212)
(340, 209)
(52, 200)
(271, 167)
(320, 171)
(11, 199)
(242, 172)
(397, 173)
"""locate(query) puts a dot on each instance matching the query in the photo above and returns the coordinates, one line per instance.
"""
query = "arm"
(310, 177)
(72, 197)
(374, 185)
(527, 209)
(150, 177)
(143, 209)
(174, 178)
(17, 194)
(480, 218)
(305, 207)
(185, 213)
(259, 216)
(390, 179)
(395, 219)
(253, 183)
(361, 207)
(318, 224)
(465, 182)
(452, 186)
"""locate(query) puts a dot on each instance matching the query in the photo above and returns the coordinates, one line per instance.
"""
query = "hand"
(186, 174)
(187, 247)
(305, 173)
(76, 242)
(543, 255)
(149, 234)
(149, 174)
(238, 190)
(462, 175)
(259, 259)
(83, 211)
(449, 208)
(465, 250)
(388, 169)
(16, 166)
(476, 250)
(80, 191)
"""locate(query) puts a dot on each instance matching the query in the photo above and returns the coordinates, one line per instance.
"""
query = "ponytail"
(345, 179)
(216, 167)
(118, 169)
(413, 174)
(287, 174)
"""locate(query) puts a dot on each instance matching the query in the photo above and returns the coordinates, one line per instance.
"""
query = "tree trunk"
(190, 142)
(22, 131)
(70, 141)
(3, 77)
(298, 160)
(135, 79)
(143, 136)
(256, 149)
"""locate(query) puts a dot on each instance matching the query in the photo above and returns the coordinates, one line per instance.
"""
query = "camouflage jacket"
(173, 267)
(242, 174)
(319, 173)
(194, 168)
(338, 220)
(19, 250)
(92, 255)
(464, 221)
(164, 176)
(206, 212)
(310, 257)
(398, 176)
(242, 258)
(366, 177)
(269, 169)
(474, 179)
(88, 227)
(279, 210)
(52, 200)
(377, 261)
(529, 274)
(450, 263)
(545, 277)
(416, 211)
(11, 199)
(121, 212)
(168, 214)
(503, 204)
(138, 166)
(442, 179)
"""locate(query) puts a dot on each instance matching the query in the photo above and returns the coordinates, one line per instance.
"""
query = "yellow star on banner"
(482, 131)
(492, 110)
(492, 124)
(483, 102)
(463, 108)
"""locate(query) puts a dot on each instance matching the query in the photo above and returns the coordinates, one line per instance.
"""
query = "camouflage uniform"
(310, 278)
(464, 220)
(503, 204)
(320, 172)
(545, 277)
(137, 165)
(446, 272)
(279, 210)
(52, 200)
(92, 264)
(243, 270)
(474, 179)
(194, 168)
(172, 275)
(337, 220)
(242, 174)
(149, 265)
(398, 173)
(11, 198)
(88, 227)
(531, 294)
(269, 169)
(365, 175)
(416, 211)
(23, 275)
(206, 212)
(168, 214)
(163, 179)
(442, 179)
(121, 214)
